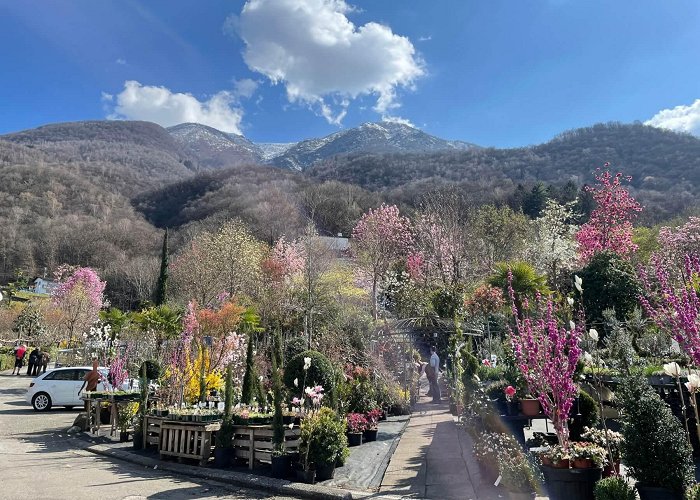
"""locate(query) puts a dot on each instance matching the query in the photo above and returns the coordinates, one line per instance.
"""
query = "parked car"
(61, 387)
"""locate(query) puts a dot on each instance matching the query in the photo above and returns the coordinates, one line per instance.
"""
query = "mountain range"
(215, 149)
(96, 192)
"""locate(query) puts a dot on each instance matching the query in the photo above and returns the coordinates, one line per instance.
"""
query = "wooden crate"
(151, 430)
(261, 438)
(187, 439)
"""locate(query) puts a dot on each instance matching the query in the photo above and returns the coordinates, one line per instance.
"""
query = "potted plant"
(587, 455)
(614, 488)
(357, 424)
(322, 443)
(655, 448)
(126, 413)
(223, 451)
(511, 401)
(518, 476)
(556, 456)
(612, 443)
(530, 406)
(370, 433)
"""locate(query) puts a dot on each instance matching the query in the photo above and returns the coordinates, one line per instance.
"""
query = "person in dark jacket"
(33, 360)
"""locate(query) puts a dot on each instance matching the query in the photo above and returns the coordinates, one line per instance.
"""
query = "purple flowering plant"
(546, 354)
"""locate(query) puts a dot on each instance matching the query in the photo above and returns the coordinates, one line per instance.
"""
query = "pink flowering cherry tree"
(381, 237)
(79, 296)
(546, 353)
(610, 225)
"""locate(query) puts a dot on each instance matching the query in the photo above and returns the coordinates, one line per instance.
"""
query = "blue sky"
(502, 73)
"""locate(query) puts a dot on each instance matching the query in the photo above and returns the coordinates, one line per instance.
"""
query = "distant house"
(337, 244)
(44, 286)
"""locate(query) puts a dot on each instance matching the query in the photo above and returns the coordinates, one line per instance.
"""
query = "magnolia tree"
(546, 353)
(553, 247)
(79, 296)
(381, 237)
(610, 225)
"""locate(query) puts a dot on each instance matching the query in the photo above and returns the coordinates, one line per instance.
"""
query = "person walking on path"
(20, 351)
(435, 369)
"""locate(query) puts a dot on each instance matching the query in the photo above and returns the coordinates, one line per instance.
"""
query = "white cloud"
(244, 88)
(167, 108)
(321, 57)
(398, 119)
(425, 38)
(679, 119)
(121, 61)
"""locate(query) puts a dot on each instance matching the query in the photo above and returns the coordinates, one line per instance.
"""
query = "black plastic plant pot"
(571, 484)
(325, 471)
(281, 466)
(138, 440)
(222, 457)
(656, 493)
(306, 476)
(354, 438)
(123, 436)
(370, 435)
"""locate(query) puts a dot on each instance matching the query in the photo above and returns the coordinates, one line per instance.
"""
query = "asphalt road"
(38, 461)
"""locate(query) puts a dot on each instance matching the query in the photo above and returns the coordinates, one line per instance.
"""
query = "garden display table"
(517, 423)
(254, 442)
(187, 439)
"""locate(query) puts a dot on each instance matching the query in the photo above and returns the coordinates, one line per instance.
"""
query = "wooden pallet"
(261, 438)
(151, 430)
(187, 440)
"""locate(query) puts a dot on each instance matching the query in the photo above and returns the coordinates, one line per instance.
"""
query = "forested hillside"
(98, 193)
(665, 166)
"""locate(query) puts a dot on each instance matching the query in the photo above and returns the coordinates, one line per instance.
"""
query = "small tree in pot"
(655, 449)
(323, 441)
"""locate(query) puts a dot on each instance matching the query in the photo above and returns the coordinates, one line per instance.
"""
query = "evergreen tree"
(162, 286)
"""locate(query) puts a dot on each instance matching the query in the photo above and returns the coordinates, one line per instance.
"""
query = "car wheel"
(41, 401)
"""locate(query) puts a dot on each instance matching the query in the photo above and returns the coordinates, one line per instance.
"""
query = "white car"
(61, 386)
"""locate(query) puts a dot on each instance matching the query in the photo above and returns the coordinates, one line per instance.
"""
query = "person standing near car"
(20, 352)
(32, 362)
(90, 381)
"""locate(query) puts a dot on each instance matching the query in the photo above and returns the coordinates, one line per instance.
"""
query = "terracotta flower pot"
(612, 470)
(562, 464)
(545, 460)
(583, 463)
(530, 407)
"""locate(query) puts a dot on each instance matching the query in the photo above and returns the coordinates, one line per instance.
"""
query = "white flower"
(296, 382)
(693, 383)
(577, 283)
(570, 301)
(672, 369)
(291, 426)
(593, 334)
(307, 363)
(572, 325)
(587, 358)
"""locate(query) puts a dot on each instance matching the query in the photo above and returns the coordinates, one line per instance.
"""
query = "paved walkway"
(434, 459)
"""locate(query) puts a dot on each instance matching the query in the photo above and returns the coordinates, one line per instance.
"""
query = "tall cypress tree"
(162, 286)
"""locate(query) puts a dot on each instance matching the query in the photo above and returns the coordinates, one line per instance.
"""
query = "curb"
(252, 481)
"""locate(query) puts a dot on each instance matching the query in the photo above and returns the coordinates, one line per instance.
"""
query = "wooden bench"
(191, 440)
(254, 442)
